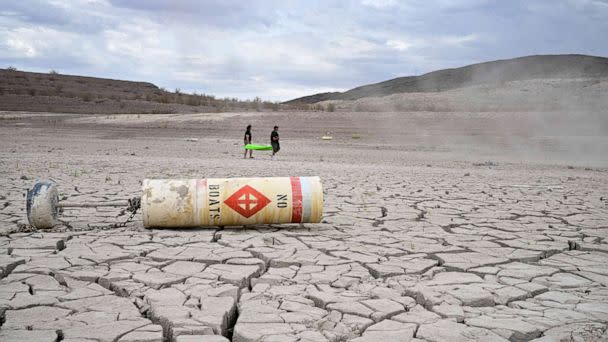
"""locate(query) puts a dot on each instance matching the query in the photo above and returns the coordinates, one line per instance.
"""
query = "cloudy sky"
(283, 49)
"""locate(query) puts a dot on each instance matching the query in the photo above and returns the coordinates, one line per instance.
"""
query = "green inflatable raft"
(258, 147)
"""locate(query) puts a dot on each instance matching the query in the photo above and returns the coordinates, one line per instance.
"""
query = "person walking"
(247, 140)
(274, 141)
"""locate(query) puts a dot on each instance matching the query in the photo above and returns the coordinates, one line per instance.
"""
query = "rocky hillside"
(53, 92)
(496, 73)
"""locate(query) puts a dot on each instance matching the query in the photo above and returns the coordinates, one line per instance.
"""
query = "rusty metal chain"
(133, 205)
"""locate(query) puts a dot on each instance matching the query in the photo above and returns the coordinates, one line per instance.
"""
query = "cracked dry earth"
(406, 251)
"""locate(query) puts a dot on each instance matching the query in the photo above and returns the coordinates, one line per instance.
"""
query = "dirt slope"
(495, 73)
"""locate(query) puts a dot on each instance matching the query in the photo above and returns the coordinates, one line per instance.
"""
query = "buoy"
(41, 205)
(176, 203)
(231, 201)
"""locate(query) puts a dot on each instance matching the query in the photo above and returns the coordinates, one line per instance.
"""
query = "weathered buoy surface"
(175, 203)
(41, 205)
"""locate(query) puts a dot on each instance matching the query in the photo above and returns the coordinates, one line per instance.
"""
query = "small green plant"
(355, 136)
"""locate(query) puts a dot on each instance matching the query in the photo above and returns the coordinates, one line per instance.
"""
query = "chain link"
(133, 205)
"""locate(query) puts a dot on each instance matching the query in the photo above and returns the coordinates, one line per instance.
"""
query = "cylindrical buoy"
(175, 203)
(41, 205)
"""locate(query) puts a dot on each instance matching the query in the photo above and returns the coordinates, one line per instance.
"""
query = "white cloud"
(398, 45)
(257, 78)
(458, 40)
(348, 46)
(31, 42)
(382, 4)
(21, 47)
(460, 4)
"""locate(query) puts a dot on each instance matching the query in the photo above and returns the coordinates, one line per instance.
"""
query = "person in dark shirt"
(274, 141)
(247, 140)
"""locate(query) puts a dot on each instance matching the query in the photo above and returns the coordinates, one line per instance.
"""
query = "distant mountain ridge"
(494, 72)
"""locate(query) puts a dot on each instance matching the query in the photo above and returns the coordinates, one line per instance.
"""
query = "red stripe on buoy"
(296, 202)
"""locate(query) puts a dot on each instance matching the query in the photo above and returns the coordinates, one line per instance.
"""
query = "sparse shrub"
(274, 106)
(87, 97)
(192, 101)
(430, 107)
(330, 107)
(53, 72)
(163, 98)
(11, 68)
(31, 91)
(400, 107)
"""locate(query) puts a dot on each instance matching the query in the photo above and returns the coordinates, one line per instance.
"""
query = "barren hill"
(53, 92)
(489, 73)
